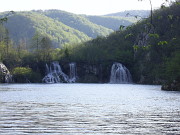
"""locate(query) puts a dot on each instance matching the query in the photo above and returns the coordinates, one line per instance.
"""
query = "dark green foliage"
(25, 75)
(173, 67)
(1, 77)
(154, 62)
(5, 17)
(2, 20)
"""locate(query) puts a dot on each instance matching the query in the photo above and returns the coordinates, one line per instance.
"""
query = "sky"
(89, 7)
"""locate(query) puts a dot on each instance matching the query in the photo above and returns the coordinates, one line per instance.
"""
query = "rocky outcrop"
(173, 86)
(93, 73)
(5, 75)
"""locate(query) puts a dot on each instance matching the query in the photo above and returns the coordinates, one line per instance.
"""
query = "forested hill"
(60, 26)
(24, 25)
(149, 48)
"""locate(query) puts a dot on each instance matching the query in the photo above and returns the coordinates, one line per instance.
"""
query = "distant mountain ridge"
(141, 13)
(62, 27)
(111, 22)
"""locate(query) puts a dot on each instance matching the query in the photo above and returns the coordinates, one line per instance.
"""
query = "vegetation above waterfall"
(149, 48)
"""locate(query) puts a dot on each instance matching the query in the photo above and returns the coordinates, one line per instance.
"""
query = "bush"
(1, 77)
(173, 67)
(25, 75)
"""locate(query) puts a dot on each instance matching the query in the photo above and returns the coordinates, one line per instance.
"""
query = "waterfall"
(120, 74)
(73, 72)
(6, 73)
(47, 69)
(56, 75)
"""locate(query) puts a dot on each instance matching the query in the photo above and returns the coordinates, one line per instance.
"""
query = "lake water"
(78, 109)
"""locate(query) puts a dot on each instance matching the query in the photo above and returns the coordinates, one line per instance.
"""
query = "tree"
(46, 47)
(4, 33)
(5, 18)
(162, 6)
(36, 41)
(7, 40)
(4, 42)
(151, 10)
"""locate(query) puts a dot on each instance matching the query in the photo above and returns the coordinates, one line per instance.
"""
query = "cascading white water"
(56, 75)
(120, 74)
(47, 69)
(73, 72)
(6, 73)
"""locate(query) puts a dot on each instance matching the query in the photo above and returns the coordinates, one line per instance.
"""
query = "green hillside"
(151, 50)
(60, 26)
(78, 22)
(23, 25)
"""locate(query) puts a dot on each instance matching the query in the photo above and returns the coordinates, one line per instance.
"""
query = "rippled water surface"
(76, 109)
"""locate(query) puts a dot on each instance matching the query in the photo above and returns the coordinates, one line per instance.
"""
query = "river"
(86, 109)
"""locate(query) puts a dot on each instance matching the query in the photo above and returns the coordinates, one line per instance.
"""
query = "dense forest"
(148, 48)
(60, 26)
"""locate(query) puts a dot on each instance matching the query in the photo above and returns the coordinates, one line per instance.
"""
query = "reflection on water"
(88, 109)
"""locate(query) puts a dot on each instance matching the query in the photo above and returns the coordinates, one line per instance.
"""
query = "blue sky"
(89, 7)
